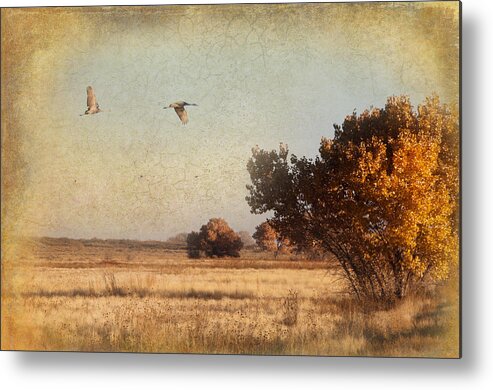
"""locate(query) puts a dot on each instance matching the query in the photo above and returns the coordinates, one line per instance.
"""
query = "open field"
(148, 297)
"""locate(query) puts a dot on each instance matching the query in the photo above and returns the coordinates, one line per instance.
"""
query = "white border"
(474, 371)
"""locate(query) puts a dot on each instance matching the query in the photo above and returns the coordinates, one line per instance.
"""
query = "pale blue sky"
(258, 77)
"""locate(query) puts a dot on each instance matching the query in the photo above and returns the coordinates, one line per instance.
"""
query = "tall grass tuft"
(111, 286)
(290, 308)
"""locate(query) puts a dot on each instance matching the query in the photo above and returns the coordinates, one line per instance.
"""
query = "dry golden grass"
(81, 297)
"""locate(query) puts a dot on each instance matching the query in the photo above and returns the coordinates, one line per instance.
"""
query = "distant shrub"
(269, 240)
(193, 245)
(215, 239)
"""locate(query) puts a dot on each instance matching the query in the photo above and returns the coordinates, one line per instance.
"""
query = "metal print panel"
(271, 179)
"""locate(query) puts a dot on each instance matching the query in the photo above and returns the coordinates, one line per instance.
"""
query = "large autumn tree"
(382, 196)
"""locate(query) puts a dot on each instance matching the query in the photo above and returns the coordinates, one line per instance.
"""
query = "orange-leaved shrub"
(215, 239)
(269, 240)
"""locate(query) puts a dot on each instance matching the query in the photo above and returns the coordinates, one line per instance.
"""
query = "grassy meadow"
(117, 295)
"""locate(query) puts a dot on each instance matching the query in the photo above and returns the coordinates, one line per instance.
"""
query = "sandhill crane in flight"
(92, 104)
(180, 110)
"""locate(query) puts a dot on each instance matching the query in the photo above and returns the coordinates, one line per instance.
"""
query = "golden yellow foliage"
(382, 196)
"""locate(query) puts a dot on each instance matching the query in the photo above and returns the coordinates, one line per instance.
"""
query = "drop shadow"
(370, 367)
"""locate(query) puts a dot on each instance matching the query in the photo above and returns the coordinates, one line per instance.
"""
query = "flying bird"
(180, 110)
(92, 104)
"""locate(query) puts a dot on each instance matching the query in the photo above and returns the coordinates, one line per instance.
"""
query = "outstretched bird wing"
(182, 114)
(91, 99)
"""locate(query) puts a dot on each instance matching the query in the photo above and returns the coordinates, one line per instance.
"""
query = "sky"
(260, 75)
